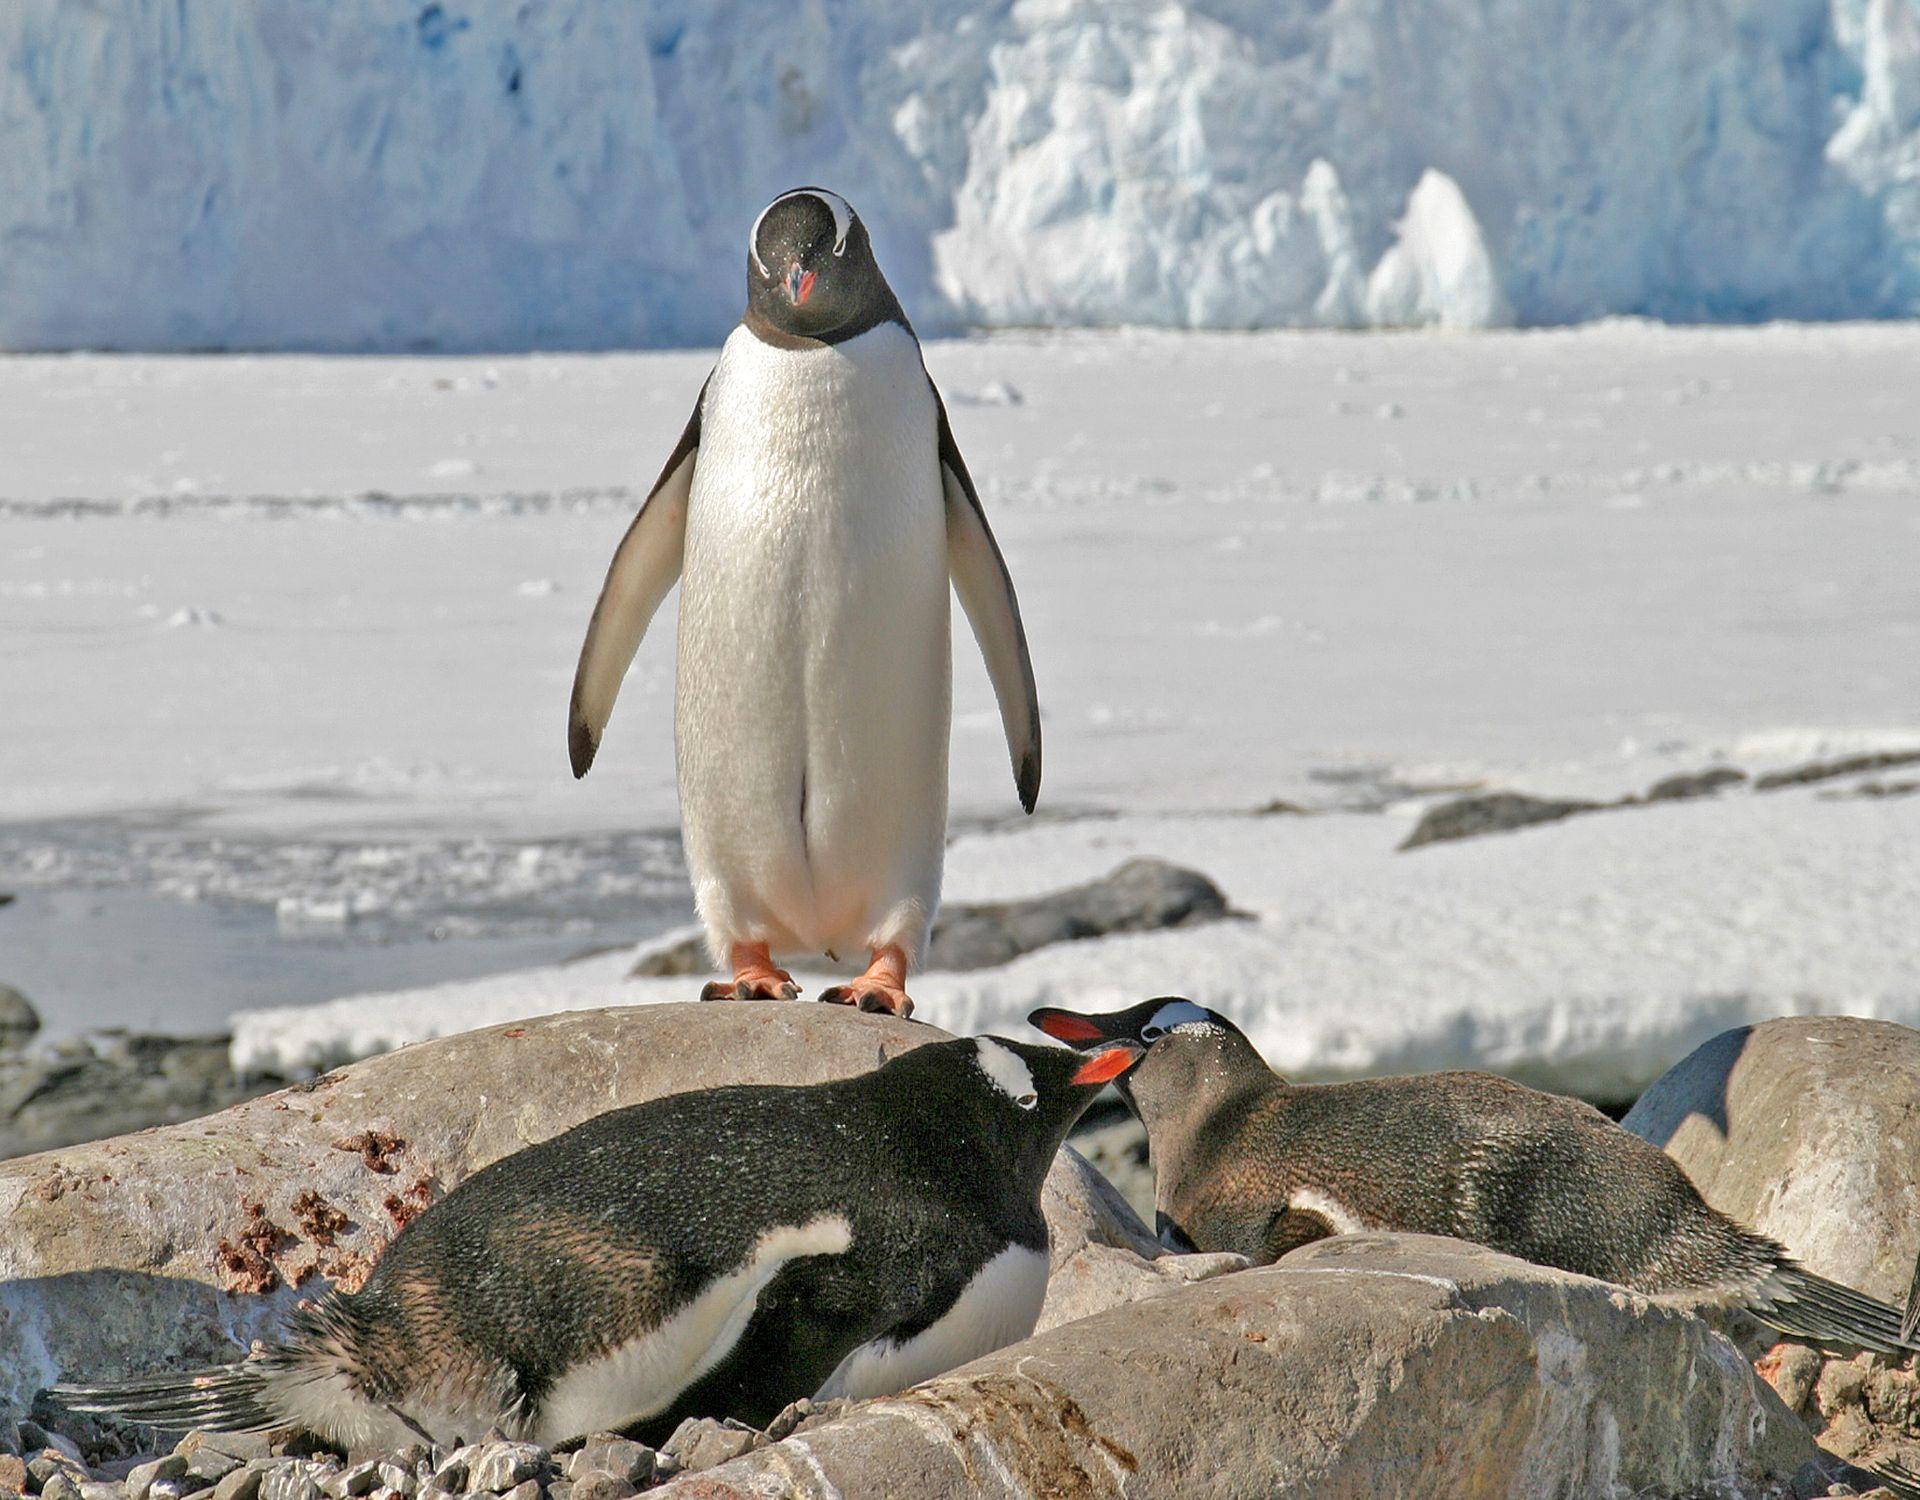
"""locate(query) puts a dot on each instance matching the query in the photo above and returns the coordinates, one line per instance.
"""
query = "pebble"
(597, 1484)
(242, 1484)
(702, 1443)
(618, 1456)
(210, 1464)
(498, 1467)
(59, 1486)
(141, 1480)
(359, 1480)
(13, 1473)
(292, 1481)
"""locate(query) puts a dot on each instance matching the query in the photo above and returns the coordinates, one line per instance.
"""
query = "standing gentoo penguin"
(1245, 1161)
(719, 1253)
(813, 512)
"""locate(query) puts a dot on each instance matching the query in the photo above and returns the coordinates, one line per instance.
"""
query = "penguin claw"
(775, 986)
(875, 999)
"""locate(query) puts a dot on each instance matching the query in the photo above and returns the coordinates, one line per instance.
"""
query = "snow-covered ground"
(581, 173)
(293, 636)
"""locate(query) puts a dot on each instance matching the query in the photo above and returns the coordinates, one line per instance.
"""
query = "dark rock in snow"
(1491, 812)
(1827, 770)
(1694, 784)
(1143, 895)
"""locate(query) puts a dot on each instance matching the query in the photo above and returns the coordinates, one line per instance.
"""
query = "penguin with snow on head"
(813, 513)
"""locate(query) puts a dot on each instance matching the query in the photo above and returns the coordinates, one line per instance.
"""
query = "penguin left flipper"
(645, 567)
(986, 593)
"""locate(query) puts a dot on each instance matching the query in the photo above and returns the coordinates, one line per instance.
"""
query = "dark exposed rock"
(1491, 812)
(109, 1084)
(18, 1019)
(1827, 770)
(1143, 895)
(1694, 784)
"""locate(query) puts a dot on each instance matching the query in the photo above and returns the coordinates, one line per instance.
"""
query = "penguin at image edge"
(718, 1253)
(1247, 1162)
(813, 513)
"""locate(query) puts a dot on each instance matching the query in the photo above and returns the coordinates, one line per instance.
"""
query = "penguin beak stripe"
(1065, 1026)
(1104, 1067)
(799, 285)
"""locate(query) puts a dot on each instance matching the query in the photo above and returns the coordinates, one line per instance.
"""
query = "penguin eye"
(1152, 1033)
(1027, 1101)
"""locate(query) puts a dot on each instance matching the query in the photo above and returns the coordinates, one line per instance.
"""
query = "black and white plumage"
(813, 513)
(716, 1253)
(1245, 1161)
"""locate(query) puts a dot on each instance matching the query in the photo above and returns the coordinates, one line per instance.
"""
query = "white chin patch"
(1006, 1068)
(841, 210)
(1181, 1013)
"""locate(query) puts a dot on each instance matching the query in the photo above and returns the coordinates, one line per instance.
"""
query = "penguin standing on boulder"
(719, 1253)
(1245, 1161)
(813, 512)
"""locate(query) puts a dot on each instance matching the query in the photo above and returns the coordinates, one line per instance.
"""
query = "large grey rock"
(1806, 1129)
(1142, 895)
(1366, 1365)
(167, 1247)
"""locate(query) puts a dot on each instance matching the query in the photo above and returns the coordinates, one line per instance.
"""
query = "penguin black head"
(1189, 1054)
(811, 275)
(1015, 1101)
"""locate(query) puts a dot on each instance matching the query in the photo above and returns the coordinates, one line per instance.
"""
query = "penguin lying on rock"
(1245, 1161)
(719, 1253)
(812, 513)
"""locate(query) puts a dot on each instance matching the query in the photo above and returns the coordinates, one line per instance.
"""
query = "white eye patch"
(841, 210)
(1009, 1072)
(1175, 1013)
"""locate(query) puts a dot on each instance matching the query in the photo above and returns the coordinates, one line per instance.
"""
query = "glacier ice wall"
(477, 173)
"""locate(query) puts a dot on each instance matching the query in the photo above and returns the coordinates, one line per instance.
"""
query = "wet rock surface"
(1143, 895)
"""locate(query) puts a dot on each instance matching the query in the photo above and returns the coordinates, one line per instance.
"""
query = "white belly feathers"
(813, 699)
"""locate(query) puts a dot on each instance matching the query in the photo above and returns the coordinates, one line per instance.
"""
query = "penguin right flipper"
(981, 579)
(645, 567)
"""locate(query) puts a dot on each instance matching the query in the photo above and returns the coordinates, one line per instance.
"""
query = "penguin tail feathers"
(222, 1398)
(1910, 1320)
(1818, 1311)
(1896, 1476)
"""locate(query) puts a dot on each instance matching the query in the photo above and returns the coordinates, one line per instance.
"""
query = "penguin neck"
(881, 308)
(1187, 1090)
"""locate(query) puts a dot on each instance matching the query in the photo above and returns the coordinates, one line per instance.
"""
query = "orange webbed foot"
(755, 977)
(882, 989)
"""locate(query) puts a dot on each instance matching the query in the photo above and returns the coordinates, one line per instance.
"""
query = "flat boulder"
(1362, 1365)
(1806, 1129)
(176, 1245)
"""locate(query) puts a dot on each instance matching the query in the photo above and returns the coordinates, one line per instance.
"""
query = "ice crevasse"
(456, 174)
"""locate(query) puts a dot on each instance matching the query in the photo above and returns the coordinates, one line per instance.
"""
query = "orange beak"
(1104, 1067)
